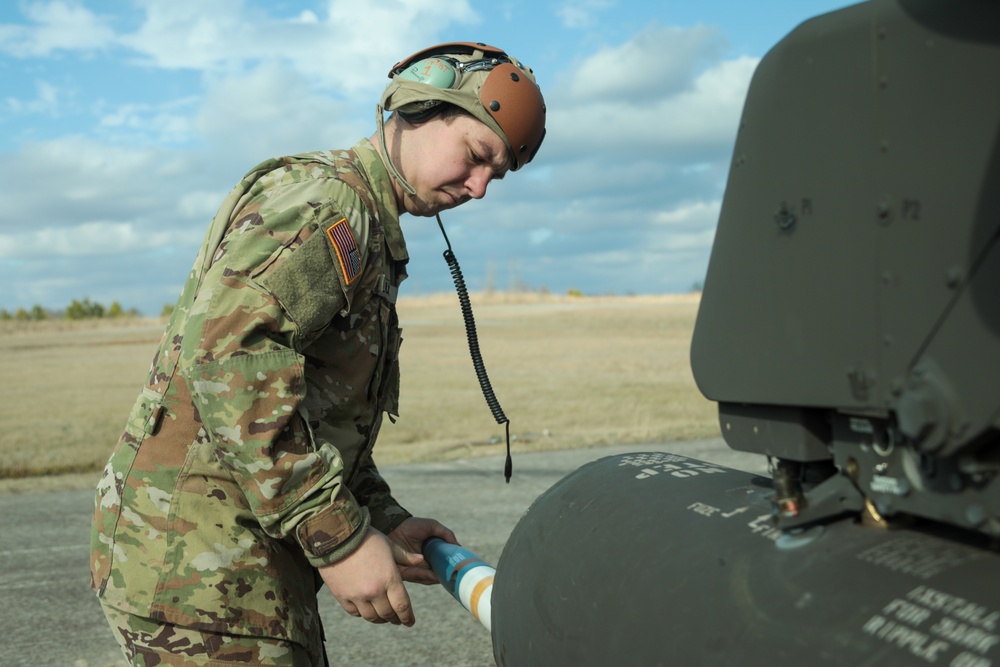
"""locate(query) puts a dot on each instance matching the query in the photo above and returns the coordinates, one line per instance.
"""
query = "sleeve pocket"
(307, 285)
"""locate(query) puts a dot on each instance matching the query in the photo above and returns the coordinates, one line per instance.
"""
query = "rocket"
(463, 574)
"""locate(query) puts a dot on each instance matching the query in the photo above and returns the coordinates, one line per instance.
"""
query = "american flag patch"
(342, 237)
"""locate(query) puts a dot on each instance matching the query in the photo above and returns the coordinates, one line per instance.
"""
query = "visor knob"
(494, 105)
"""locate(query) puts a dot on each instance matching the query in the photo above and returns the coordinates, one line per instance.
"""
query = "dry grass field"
(568, 372)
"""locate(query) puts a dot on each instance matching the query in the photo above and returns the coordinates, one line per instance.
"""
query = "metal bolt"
(883, 210)
(785, 218)
(975, 515)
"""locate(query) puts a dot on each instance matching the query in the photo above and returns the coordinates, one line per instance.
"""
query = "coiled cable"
(473, 336)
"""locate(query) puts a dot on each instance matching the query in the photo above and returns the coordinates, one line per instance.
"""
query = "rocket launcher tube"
(463, 574)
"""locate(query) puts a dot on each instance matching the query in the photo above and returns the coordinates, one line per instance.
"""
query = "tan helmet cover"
(502, 94)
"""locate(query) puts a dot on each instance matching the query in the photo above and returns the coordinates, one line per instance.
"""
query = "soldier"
(244, 480)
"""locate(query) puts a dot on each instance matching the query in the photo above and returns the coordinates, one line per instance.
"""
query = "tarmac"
(52, 618)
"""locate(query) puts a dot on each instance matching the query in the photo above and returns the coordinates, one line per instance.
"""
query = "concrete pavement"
(50, 617)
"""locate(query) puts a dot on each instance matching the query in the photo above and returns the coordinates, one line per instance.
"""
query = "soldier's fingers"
(370, 613)
(418, 575)
(384, 610)
(406, 558)
(400, 601)
(349, 607)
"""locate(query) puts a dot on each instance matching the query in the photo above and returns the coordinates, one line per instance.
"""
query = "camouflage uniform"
(246, 459)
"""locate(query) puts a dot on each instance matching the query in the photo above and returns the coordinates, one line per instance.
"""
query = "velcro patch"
(342, 238)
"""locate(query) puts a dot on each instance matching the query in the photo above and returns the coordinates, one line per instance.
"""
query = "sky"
(123, 124)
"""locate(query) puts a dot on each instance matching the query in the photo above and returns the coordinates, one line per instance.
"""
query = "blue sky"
(123, 125)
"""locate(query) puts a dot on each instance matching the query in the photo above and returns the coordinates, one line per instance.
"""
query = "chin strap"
(380, 125)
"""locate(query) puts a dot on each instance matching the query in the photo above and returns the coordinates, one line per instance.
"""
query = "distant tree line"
(77, 310)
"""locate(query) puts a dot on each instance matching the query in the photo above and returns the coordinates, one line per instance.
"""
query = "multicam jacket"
(246, 459)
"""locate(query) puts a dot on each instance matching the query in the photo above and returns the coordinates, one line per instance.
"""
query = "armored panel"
(856, 247)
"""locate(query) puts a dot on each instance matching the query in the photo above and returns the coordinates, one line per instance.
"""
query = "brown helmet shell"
(516, 103)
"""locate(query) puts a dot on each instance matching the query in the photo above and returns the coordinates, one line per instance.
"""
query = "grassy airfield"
(568, 372)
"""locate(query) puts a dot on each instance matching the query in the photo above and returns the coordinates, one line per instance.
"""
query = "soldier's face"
(448, 161)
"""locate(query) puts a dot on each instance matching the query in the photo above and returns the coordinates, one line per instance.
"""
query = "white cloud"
(688, 227)
(540, 236)
(100, 238)
(46, 101)
(384, 33)
(197, 35)
(702, 117)
(228, 36)
(78, 197)
(55, 26)
(272, 110)
(656, 62)
(307, 16)
(166, 124)
(201, 204)
(578, 14)
(670, 254)
(685, 216)
(72, 168)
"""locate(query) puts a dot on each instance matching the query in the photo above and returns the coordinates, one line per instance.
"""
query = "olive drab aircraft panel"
(862, 194)
(850, 303)
(849, 330)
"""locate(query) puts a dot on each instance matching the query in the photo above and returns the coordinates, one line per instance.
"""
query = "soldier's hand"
(411, 535)
(367, 583)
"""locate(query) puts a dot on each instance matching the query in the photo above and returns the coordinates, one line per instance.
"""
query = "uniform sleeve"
(372, 491)
(273, 287)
